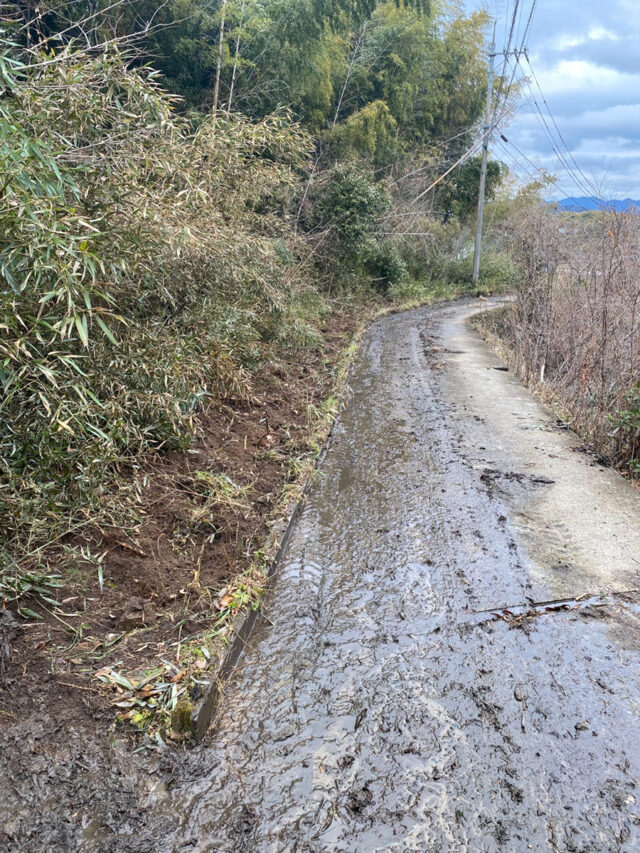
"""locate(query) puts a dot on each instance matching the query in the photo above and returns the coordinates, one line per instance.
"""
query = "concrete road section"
(449, 655)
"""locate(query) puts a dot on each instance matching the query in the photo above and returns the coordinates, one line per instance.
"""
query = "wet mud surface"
(448, 659)
(72, 775)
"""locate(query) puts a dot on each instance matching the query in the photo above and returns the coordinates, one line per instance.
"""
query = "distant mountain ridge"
(582, 203)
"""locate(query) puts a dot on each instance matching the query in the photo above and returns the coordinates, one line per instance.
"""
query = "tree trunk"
(216, 88)
(235, 60)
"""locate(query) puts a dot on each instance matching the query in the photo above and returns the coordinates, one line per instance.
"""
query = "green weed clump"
(626, 430)
(143, 269)
(497, 273)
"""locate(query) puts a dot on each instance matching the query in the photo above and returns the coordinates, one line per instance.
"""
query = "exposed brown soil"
(163, 579)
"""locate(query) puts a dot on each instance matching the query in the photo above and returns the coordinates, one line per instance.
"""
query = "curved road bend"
(449, 659)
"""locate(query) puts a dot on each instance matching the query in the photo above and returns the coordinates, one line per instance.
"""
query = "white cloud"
(566, 40)
(571, 76)
(586, 56)
(602, 33)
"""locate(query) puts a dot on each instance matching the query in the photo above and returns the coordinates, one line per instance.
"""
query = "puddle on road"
(384, 702)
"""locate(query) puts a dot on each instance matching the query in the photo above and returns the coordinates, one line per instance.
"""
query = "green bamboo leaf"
(27, 613)
(94, 430)
(106, 329)
(122, 681)
(10, 278)
(93, 397)
(81, 326)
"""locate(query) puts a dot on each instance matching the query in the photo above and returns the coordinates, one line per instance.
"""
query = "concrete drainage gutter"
(205, 709)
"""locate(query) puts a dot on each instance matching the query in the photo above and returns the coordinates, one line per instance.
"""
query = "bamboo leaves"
(140, 267)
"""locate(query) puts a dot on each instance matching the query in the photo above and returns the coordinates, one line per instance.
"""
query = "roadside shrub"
(497, 272)
(626, 429)
(574, 327)
(385, 266)
(429, 244)
(141, 269)
(344, 217)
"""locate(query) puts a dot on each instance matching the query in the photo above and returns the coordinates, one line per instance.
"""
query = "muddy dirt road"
(449, 658)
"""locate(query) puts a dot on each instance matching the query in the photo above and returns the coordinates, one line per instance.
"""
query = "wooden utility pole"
(485, 154)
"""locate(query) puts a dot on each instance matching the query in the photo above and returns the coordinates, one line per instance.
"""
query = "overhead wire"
(498, 112)
(529, 22)
(555, 124)
(575, 172)
(515, 162)
(520, 16)
(506, 21)
(496, 119)
(486, 133)
(458, 162)
(513, 24)
(536, 168)
(569, 164)
(581, 183)
(520, 166)
(507, 49)
(514, 17)
(528, 159)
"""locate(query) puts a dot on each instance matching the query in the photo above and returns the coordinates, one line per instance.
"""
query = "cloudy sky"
(586, 57)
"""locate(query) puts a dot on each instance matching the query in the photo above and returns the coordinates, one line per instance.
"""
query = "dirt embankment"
(181, 572)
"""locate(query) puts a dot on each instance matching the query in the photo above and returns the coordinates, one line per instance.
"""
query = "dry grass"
(574, 327)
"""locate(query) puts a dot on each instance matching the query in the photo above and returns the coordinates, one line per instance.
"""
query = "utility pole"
(485, 154)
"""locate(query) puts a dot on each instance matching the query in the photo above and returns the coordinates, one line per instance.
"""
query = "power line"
(513, 25)
(506, 21)
(523, 155)
(529, 22)
(442, 145)
(517, 38)
(505, 151)
(485, 156)
(507, 49)
(573, 169)
(514, 28)
(582, 182)
(459, 162)
(519, 165)
(555, 124)
(516, 52)
(490, 115)
(583, 186)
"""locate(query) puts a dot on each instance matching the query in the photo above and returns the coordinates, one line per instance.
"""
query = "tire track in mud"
(377, 706)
